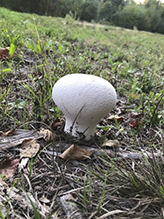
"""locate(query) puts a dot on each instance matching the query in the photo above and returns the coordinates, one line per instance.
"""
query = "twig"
(111, 213)
(70, 207)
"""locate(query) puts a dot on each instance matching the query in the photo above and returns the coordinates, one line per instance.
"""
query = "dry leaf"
(4, 53)
(111, 143)
(116, 117)
(76, 153)
(43, 199)
(29, 148)
(8, 167)
(8, 133)
(135, 124)
(47, 134)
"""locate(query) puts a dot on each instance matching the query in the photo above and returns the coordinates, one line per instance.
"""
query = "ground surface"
(123, 181)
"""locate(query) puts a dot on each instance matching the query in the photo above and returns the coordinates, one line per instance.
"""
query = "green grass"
(45, 49)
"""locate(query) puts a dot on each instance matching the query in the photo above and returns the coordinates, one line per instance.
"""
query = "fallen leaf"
(111, 143)
(135, 124)
(116, 117)
(43, 199)
(8, 133)
(29, 148)
(8, 167)
(76, 153)
(4, 53)
(47, 134)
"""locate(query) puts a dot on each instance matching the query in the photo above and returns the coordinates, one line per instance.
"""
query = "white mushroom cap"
(84, 100)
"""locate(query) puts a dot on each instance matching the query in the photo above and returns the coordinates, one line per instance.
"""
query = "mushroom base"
(79, 130)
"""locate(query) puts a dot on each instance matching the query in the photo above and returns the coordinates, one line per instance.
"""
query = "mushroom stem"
(76, 128)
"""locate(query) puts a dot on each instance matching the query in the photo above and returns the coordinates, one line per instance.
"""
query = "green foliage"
(106, 11)
(132, 16)
(152, 108)
(148, 16)
(1, 215)
(12, 49)
(44, 55)
(154, 11)
(89, 10)
(144, 17)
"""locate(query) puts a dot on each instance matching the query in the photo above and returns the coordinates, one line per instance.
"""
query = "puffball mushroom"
(84, 100)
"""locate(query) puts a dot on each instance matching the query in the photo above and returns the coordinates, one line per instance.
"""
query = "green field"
(42, 50)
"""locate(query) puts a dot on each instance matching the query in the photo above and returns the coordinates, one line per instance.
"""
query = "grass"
(42, 50)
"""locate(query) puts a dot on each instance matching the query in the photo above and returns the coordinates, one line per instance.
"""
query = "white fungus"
(84, 100)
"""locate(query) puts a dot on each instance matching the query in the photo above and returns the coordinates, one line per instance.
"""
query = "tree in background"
(148, 16)
(89, 10)
(106, 11)
(154, 10)
(132, 16)
(160, 26)
(75, 6)
(109, 8)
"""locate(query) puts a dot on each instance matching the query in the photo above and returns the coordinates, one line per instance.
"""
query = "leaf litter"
(52, 179)
(78, 159)
(4, 53)
(8, 167)
(29, 148)
(68, 174)
(76, 153)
